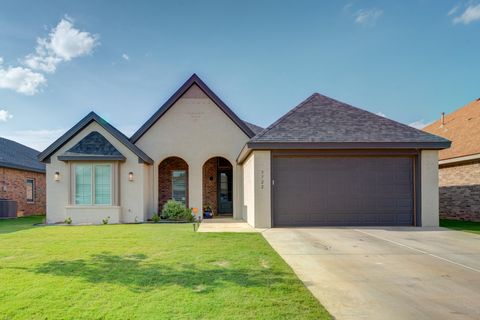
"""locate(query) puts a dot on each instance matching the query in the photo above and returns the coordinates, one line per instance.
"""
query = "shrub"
(155, 217)
(105, 221)
(175, 210)
(68, 220)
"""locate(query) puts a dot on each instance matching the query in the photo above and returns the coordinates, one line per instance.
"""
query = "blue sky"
(409, 60)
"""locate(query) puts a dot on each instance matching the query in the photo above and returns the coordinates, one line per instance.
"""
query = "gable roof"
(194, 79)
(17, 156)
(93, 147)
(322, 122)
(462, 127)
(93, 117)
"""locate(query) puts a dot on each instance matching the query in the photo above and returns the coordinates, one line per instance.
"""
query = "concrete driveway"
(386, 273)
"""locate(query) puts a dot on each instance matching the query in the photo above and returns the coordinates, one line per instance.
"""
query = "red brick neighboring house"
(459, 173)
(22, 177)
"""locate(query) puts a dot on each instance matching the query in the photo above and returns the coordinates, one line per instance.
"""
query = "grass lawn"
(144, 271)
(467, 226)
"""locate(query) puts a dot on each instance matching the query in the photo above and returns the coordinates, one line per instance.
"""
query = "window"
(93, 184)
(179, 186)
(30, 190)
(103, 184)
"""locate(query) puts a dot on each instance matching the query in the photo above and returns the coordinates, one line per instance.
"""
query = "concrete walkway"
(386, 273)
(227, 224)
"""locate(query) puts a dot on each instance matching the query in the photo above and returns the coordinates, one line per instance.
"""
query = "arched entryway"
(172, 181)
(218, 186)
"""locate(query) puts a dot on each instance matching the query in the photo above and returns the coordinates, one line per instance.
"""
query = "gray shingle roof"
(89, 118)
(93, 146)
(256, 129)
(320, 119)
(17, 156)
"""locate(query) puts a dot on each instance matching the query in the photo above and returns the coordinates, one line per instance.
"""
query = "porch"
(177, 180)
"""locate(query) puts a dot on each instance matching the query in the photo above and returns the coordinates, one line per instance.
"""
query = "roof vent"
(443, 119)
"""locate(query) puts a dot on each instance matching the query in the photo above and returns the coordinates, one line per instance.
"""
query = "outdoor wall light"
(56, 176)
(130, 176)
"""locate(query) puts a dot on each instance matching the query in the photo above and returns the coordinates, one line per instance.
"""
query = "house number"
(261, 179)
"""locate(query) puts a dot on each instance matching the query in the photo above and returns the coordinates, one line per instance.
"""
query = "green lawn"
(467, 226)
(144, 271)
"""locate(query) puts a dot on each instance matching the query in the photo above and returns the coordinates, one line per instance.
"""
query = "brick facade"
(165, 169)
(210, 184)
(460, 191)
(13, 186)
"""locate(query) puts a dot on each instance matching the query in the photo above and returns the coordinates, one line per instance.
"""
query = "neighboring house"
(459, 172)
(323, 163)
(22, 177)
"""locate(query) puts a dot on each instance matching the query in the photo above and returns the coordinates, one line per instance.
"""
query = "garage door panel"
(343, 191)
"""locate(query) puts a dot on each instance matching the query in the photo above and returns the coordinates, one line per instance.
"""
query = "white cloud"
(471, 14)
(5, 115)
(381, 114)
(453, 10)
(368, 17)
(36, 139)
(125, 56)
(64, 43)
(419, 124)
(21, 80)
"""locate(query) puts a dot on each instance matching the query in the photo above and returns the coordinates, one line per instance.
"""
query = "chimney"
(443, 119)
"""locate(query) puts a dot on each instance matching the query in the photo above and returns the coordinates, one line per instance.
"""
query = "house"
(22, 177)
(323, 163)
(459, 172)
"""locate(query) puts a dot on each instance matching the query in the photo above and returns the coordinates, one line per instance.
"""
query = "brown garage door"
(342, 191)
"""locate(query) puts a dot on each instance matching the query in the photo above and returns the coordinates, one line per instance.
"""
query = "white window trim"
(92, 204)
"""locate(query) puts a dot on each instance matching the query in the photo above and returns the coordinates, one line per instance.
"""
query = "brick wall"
(165, 179)
(13, 186)
(460, 191)
(210, 184)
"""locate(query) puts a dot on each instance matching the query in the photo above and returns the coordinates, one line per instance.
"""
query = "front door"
(225, 203)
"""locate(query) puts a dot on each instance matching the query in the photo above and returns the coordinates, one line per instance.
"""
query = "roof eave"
(243, 154)
(258, 145)
(460, 159)
(20, 167)
(90, 158)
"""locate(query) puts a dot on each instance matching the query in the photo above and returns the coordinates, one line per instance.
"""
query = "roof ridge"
(287, 115)
(194, 79)
(381, 117)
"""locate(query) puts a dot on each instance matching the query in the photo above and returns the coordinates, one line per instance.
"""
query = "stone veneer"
(13, 186)
(460, 191)
(165, 169)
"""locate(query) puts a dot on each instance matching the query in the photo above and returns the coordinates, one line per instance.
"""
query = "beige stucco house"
(323, 163)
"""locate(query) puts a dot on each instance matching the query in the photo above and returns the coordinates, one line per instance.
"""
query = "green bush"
(105, 221)
(68, 220)
(155, 218)
(175, 210)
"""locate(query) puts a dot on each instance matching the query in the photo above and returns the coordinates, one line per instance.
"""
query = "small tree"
(175, 210)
